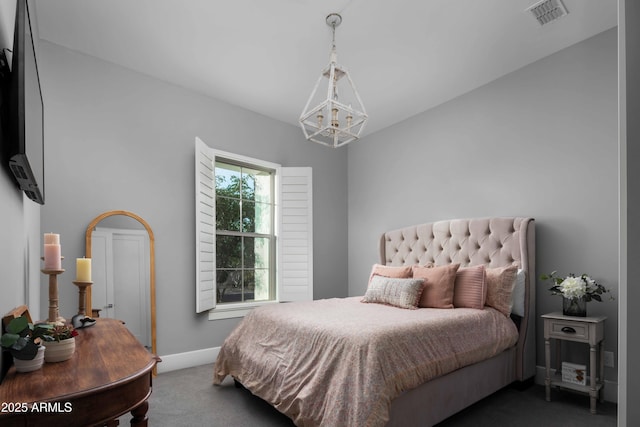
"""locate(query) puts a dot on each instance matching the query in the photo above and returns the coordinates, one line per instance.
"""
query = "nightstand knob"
(568, 330)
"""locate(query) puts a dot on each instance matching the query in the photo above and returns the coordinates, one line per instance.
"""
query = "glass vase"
(574, 307)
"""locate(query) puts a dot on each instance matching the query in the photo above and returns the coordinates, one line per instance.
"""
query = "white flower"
(582, 286)
(591, 285)
(574, 287)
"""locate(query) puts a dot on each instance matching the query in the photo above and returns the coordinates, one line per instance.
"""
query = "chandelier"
(335, 116)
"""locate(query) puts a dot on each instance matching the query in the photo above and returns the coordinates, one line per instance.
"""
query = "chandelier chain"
(333, 38)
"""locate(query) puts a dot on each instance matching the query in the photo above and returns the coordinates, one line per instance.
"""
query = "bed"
(357, 362)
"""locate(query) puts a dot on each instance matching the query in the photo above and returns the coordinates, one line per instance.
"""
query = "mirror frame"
(152, 262)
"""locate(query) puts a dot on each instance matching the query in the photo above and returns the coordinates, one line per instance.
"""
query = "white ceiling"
(404, 56)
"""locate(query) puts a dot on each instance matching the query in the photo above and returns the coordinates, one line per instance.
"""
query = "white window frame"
(293, 233)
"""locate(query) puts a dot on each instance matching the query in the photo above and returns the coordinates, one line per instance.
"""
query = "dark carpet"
(188, 398)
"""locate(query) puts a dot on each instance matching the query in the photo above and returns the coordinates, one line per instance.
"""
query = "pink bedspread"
(340, 362)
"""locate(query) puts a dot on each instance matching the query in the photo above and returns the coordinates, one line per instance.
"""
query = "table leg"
(547, 364)
(601, 376)
(140, 415)
(593, 392)
(558, 344)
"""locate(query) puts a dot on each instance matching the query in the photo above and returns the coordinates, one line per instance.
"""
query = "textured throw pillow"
(398, 272)
(518, 294)
(500, 282)
(470, 288)
(438, 285)
(403, 293)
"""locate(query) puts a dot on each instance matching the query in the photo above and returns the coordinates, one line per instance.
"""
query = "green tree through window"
(244, 233)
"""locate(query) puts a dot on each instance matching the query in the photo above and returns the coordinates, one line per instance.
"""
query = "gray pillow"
(403, 293)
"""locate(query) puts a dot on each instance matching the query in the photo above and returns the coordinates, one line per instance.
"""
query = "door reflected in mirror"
(121, 247)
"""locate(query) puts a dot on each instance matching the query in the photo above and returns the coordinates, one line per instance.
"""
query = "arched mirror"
(121, 247)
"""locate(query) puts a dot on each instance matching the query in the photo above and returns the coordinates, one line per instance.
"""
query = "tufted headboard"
(493, 242)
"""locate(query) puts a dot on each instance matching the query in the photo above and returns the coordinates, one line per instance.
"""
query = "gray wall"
(117, 139)
(12, 263)
(629, 410)
(539, 142)
(19, 220)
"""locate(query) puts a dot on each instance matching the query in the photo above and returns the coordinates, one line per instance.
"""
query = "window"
(245, 232)
(253, 233)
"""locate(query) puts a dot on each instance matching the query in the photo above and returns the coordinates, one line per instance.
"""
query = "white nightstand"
(589, 330)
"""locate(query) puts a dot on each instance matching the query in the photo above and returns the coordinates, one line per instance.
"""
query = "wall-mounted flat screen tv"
(23, 128)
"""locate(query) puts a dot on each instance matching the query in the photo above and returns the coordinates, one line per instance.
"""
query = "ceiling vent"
(546, 11)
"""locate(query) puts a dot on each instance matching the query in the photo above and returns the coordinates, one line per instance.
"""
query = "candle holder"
(82, 291)
(80, 320)
(54, 314)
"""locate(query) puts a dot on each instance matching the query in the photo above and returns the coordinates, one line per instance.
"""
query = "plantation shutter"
(295, 243)
(205, 228)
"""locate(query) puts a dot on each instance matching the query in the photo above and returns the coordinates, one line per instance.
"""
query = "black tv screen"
(24, 132)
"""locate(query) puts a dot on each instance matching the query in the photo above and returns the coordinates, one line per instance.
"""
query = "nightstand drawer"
(569, 330)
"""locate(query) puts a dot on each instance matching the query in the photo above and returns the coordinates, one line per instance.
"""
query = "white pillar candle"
(83, 269)
(52, 257)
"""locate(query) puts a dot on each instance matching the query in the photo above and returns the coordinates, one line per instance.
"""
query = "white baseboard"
(610, 387)
(189, 359)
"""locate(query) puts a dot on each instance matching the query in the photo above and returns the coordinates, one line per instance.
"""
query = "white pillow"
(517, 296)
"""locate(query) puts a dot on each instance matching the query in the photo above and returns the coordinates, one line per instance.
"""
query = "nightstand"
(588, 330)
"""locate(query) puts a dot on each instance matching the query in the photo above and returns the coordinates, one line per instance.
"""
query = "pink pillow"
(470, 288)
(438, 285)
(500, 283)
(396, 272)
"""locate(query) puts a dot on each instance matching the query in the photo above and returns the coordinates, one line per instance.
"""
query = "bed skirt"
(449, 394)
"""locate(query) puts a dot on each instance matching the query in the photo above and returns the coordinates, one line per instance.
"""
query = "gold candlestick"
(54, 314)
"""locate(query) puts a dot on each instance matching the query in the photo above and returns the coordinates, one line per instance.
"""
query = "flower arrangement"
(22, 338)
(56, 332)
(575, 287)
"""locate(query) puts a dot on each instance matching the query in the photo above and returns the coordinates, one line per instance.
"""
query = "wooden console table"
(109, 375)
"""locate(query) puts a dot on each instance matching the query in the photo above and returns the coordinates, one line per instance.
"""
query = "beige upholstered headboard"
(494, 242)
